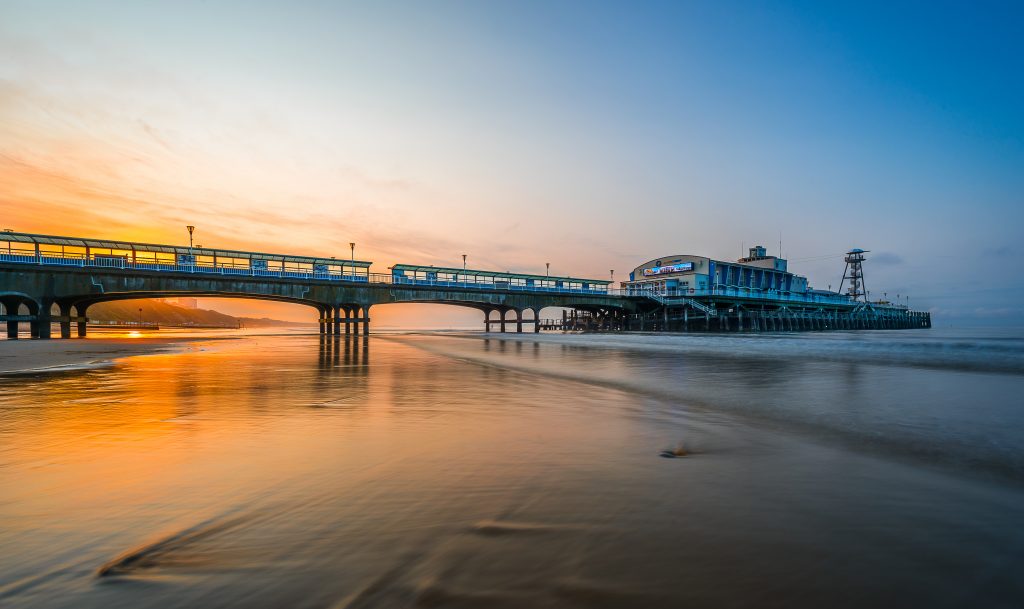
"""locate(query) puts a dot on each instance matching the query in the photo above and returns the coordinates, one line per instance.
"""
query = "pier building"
(757, 292)
(693, 275)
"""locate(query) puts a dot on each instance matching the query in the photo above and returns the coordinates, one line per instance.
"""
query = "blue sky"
(591, 135)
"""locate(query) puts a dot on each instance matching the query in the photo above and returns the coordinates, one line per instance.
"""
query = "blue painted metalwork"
(54, 250)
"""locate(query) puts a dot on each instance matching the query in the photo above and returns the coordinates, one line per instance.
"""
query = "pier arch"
(73, 311)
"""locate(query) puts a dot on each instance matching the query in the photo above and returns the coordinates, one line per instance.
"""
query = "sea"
(463, 469)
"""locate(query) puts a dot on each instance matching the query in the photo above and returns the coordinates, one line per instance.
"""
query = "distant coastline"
(166, 314)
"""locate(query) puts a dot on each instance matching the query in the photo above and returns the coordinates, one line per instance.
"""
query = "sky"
(594, 136)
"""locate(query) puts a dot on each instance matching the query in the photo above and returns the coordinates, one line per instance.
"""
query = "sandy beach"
(25, 356)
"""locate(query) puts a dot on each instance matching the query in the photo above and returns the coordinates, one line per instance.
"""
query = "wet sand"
(424, 470)
(29, 356)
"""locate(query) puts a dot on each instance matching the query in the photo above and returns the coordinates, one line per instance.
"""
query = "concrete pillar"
(65, 320)
(82, 320)
(503, 314)
(366, 320)
(355, 324)
(348, 319)
(11, 308)
(41, 327)
(536, 321)
(336, 319)
(519, 321)
(323, 322)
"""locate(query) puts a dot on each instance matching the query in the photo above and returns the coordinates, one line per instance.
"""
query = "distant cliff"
(164, 314)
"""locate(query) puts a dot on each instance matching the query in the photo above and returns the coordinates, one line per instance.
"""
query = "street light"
(352, 246)
(547, 273)
(613, 275)
(464, 262)
(190, 231)
(140, 316)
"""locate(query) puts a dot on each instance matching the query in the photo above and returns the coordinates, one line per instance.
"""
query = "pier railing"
(226, 269)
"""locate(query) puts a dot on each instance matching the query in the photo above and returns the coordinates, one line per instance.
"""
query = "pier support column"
(519, 321)
(503, 315)
(536, 321)
(65, 320)
(82, 320)
(41, 326)
(356, 311)
(322, 315)
(366, 320)
(336, 319)
(11, 308)
(348, 319)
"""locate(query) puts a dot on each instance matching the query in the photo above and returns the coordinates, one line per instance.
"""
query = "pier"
(48, 280)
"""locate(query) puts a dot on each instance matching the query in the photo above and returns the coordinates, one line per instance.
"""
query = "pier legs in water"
(743, 318)
(504, 319)
(333, 317)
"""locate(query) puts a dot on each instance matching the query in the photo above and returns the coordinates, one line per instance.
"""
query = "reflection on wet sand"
(344, 350)
(452, 471)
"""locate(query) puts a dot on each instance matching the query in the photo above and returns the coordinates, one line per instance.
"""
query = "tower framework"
(854, 271)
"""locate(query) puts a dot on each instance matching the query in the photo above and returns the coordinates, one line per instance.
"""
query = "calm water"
(825, 470)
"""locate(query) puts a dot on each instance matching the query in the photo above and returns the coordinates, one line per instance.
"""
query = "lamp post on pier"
(191, 255)
(547, 267)
(464, 262)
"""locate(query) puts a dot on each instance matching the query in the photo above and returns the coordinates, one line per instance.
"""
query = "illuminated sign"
(258, 265)
(186, 259)
(671, 268)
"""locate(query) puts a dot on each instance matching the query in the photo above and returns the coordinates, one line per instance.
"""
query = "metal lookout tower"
(854, 271)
